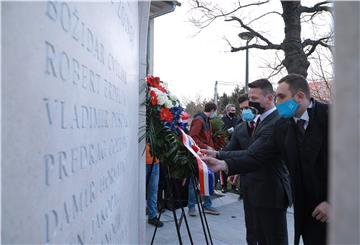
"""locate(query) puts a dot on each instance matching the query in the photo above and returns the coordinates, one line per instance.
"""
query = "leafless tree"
(321, 76)
(293, 52)
(194, 107)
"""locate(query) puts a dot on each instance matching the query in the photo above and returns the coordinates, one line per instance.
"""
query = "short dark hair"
(263, 84)
(209, 106)
(243, 97)
(296, 83)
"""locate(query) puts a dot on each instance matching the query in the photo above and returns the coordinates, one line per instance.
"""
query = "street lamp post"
(248, 36)
(225, 83)
(215, 93)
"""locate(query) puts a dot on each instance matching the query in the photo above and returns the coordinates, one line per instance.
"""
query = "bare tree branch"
(296, 56)
(317, 8)
(271, 12)
(315, 43)
(276, 71)
(258, 46)
(255, 33)
(211, 16)
(277, 66)
(243, 6)
(227, 40)
(322, 75)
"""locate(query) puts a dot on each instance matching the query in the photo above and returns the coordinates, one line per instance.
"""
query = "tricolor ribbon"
(206, 178)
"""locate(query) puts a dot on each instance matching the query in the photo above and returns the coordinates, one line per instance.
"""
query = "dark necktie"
(254, 126)
(300, 125)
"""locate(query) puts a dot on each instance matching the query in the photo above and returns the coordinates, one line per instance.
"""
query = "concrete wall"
(144, 9)
(345, 127)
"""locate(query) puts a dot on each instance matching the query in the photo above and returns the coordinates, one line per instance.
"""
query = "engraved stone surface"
(70, 122)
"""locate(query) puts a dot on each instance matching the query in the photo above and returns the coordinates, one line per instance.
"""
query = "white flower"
(168, 104)
(162, 98)
(165, 85)
(157, 92)
(173, 97)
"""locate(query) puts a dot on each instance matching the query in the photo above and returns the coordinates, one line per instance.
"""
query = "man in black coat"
(230, 121)
(241, 140)
(267, 192)
(301, 139)
(243, 104)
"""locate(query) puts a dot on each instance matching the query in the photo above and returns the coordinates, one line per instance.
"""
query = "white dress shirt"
(305, 116)
(266, 113)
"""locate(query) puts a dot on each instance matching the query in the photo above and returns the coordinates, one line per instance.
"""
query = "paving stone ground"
(226, 228)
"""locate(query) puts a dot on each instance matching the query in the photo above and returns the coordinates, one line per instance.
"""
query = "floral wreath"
(163, 120)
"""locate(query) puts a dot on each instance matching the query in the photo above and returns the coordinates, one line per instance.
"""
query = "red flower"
(166, 115)
(153, 81)
(154, 99)
(161, 88)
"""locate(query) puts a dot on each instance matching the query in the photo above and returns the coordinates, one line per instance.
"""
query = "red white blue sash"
(206, 177)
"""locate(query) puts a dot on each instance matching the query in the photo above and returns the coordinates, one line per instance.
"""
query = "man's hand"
(321, 212)
(209, 148)
(209, 153)
(215, 164)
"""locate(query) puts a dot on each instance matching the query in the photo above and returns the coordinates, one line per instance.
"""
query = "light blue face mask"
(287, 109)
(247, 115)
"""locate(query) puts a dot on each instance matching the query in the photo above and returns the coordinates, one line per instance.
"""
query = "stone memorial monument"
(70, 98)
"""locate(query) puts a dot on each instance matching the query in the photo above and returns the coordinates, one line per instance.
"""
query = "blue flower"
(176, 111)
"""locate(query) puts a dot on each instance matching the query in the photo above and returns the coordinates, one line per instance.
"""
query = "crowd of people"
(278, 148)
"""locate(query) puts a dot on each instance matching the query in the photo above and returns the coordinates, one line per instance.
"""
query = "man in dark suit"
(243, 104)
(267, 192)
(241, 140)
(301, 139)
(230, 121)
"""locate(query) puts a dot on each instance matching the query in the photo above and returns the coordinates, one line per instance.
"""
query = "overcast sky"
(192, 63)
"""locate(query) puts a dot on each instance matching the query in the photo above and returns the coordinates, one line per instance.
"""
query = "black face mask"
(257, 106)
(231, 114)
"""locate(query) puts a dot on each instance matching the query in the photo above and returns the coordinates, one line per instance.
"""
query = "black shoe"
(224, 190)
(155, 222)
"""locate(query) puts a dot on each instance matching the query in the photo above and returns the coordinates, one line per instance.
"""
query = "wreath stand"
(172, 199)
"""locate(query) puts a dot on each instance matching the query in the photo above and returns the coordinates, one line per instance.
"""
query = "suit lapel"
(313, 137)
(264, 122)
(292, 152)
(291, 142)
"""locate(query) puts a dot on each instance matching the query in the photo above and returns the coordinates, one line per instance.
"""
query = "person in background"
(230, 121)
(243, 104)
(201, 132)
(152, 182)
(241, 139)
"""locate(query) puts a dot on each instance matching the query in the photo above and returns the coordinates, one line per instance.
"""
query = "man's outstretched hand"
(215, 165)
(209, 153)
